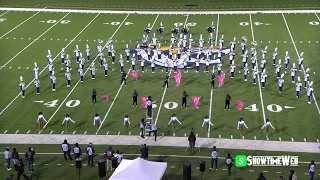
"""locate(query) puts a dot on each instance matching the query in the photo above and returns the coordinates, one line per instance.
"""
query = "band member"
(67, 120)
(207, 122)
(166, 82)
(135, 98)
(213, 77)
(149, 107)
(266, 126)
(123, 79)
(241, 124)
(184, 99)
(126, 123)
(41, 120)
(94, 96)
(174, 121)
(97, 121)
(153, 129)
(228, 99)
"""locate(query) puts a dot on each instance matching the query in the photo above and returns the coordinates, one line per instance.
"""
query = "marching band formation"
(179, 53)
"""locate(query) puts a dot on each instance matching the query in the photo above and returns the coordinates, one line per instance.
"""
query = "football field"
(25, 38)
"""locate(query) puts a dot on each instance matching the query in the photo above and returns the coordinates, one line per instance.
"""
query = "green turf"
(175, 157)
(297, 123)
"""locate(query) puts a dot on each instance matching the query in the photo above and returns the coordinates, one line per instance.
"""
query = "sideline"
(260, 145)
(160, 12)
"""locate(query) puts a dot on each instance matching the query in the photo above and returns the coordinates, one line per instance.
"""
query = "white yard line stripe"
(76, 83)
(5, 131)
(33, 40)
(4, 13)
(294, 45)
(211, 93)
(19, 25)
(261, 98)
(165, 88)
(105, 117)
(317, 16)
(47, 66)
(28, 132)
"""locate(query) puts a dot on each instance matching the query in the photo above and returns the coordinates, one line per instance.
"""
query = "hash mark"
(119, 133)
(318, 140)
(74, 132)
(129, 133)
(250, 170)
(58, 164)
(231, 137)
(219, 136)
(62, 132)
(28, 132)
(277, 42)
(14, 38)
(308, 41)
(10, 67)
(285, 41)
(5, 131)
(305, 140)
(51, 39)
(44, 38)
(19, 67)
(279, 138)
(65, 39)
(255, 138)
(197, 135)
(108, 133)
(51, 132)
(85, 132)
(265, 171)
(185, 134)
(21, 38)
(279, 172)
(17, 132)
(58, 39)
(292, 139)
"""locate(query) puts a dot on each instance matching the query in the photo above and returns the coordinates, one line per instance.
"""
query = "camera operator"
(144, 151)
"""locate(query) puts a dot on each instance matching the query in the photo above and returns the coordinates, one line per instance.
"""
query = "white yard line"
(19, 24)
(261, 98)
(211, 93)
(105, 117)
(47, 66)
(32, 41)
(294, 45)
(317, 16)
(165, 88)
(74, 87)
(4, 13)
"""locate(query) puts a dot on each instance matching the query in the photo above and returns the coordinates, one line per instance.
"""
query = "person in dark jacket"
(144, 151)
(30, 156)
(135, 98)
(192, 141)
(15, 158)
(261, 177)
(21, 170)
(227, 104)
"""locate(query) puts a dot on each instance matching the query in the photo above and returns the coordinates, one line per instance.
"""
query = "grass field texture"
(48, 157)
(26, 37)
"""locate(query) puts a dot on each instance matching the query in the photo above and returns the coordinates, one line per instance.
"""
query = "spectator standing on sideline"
(261, 177)
(149, 107)
(142, 127)
(144, 151)
(229, 162)
(135, 98)
(77, 151)
(214, 157)
(94, 96)
(227, 104)
(118, 155)
(21, 170)
(108, 154)
(30, 156)
(192, 141)
(90, 152)
(312, 168)
(7, 157)
(15, 158)
(292, 175)
(65, 147)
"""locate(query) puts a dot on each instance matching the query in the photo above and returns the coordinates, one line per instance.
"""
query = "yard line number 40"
(70, 103)
(270, 107)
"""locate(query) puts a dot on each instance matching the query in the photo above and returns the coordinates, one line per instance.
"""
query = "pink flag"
(144, 102)
(178, 78)
(195, 101)
(106, 97)
(221, 79)
(240, 104)
(135, 75)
